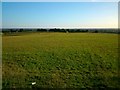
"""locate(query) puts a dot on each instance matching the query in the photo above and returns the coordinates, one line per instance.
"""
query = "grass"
(60, 60)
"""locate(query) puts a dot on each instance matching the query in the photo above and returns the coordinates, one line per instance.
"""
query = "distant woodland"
(12, 30)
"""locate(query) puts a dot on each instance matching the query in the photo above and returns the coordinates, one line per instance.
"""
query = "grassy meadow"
(60, 60)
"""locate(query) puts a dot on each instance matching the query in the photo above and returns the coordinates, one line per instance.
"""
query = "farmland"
(60, 60)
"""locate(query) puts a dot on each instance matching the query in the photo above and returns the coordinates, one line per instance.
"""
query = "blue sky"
(0, 15)
(60, 14)
(60, 0)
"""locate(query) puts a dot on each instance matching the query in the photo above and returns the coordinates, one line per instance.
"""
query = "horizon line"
(52, 28)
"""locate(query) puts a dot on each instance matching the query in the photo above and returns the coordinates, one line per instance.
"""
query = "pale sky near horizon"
(60, 14)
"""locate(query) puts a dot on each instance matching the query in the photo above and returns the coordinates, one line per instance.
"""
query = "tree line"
(61, 30)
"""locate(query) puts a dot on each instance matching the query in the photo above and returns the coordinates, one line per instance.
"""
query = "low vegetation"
(60, 60)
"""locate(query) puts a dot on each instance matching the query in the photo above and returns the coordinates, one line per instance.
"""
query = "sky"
(59, 14)
(0, 16)
(60, 0)
(119, 15)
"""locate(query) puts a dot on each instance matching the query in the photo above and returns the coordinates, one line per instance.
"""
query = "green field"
(60, 60)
